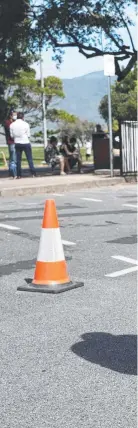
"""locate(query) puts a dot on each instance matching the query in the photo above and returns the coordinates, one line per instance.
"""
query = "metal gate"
(129, 147)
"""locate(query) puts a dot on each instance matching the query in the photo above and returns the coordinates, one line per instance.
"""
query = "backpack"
(48, 154)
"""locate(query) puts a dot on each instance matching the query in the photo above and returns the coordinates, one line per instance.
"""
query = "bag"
(48, 154)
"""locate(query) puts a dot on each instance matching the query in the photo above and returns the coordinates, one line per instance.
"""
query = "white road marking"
(91, 199)
(126, 259)
(29, 204)
(130, 206)
(58, 194)
(68, 243)
(124, 271)
(7, 226)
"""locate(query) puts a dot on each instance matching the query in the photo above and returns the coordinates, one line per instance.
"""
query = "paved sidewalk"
(55, 184)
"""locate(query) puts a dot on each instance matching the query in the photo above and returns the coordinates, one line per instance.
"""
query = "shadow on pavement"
(69, 215)
(8, 269)
(127, 240)
(46, 171)
(117, 353)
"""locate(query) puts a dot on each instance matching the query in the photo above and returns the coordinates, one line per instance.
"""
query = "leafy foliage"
(15, 44)
(81, 129)
(92, 26)
(61, 116)
(124, 99)
(14, 36)
(24, 93)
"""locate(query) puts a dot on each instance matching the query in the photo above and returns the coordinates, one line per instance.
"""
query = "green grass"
(38, 155)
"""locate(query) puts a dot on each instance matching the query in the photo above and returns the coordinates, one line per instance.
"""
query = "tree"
(15, 36)
(91, 26)
(24, 93)
(81, 129)
(124, 99)
(15, 44)
(61, 117)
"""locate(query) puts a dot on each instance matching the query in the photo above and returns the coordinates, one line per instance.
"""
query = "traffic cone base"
(52, 289)
(47, 271)
(51, 274)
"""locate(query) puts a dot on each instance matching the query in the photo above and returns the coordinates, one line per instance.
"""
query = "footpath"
(55, 184)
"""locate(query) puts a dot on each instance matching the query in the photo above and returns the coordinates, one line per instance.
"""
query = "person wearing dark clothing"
(53, 156)
(11, 145)
(71, 153)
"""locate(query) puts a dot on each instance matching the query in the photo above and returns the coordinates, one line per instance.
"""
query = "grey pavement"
(53, 184)
(69, 360)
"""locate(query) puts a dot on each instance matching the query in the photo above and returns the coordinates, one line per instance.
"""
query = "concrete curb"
(65, 187)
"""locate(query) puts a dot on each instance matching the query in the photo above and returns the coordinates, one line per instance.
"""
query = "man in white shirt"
(20, 132)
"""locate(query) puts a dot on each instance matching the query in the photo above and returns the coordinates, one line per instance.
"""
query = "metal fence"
(129, 147)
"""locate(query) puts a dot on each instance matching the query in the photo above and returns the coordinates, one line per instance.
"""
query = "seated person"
(71, 153)
(52, 155)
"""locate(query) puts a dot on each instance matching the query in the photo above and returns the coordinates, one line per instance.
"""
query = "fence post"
(120, 139)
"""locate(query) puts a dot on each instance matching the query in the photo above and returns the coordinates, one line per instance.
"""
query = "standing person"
(20, 132)
(11, 146)
(88, 146)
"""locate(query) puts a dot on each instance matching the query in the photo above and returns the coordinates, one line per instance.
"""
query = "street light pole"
(110, 126)
(43, 103)
(109, 70)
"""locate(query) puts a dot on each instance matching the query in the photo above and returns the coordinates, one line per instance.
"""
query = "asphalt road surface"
(69, 360)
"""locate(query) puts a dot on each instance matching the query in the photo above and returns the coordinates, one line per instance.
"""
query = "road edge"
(50, 188)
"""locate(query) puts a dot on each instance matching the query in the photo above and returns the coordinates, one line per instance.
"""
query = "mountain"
(83, 95)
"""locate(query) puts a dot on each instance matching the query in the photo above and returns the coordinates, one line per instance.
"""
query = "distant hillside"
(83, 95)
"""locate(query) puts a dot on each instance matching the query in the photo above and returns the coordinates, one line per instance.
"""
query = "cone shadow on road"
(115, 352)
(8, 269)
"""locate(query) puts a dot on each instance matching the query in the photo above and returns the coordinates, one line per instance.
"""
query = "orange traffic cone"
(51, 271)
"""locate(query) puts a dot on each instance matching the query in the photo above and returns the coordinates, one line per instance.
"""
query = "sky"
(75, 64)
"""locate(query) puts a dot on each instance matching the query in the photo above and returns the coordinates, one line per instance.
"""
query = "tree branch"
(120, 47)
(105, 29)
(82, 48)
(125, 24)
(123, 73)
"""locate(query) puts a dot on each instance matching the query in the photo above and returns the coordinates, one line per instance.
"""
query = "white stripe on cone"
(50, 247)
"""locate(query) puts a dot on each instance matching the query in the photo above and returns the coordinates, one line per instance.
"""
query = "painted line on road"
(91, 199)
(126, 259)
(36, 204)
(7, 226)
(57, 194)
(124, 271)
(130, 205)
(68, 243)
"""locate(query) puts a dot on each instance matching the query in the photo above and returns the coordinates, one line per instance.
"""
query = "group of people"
(67, 155)
(17, 133)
